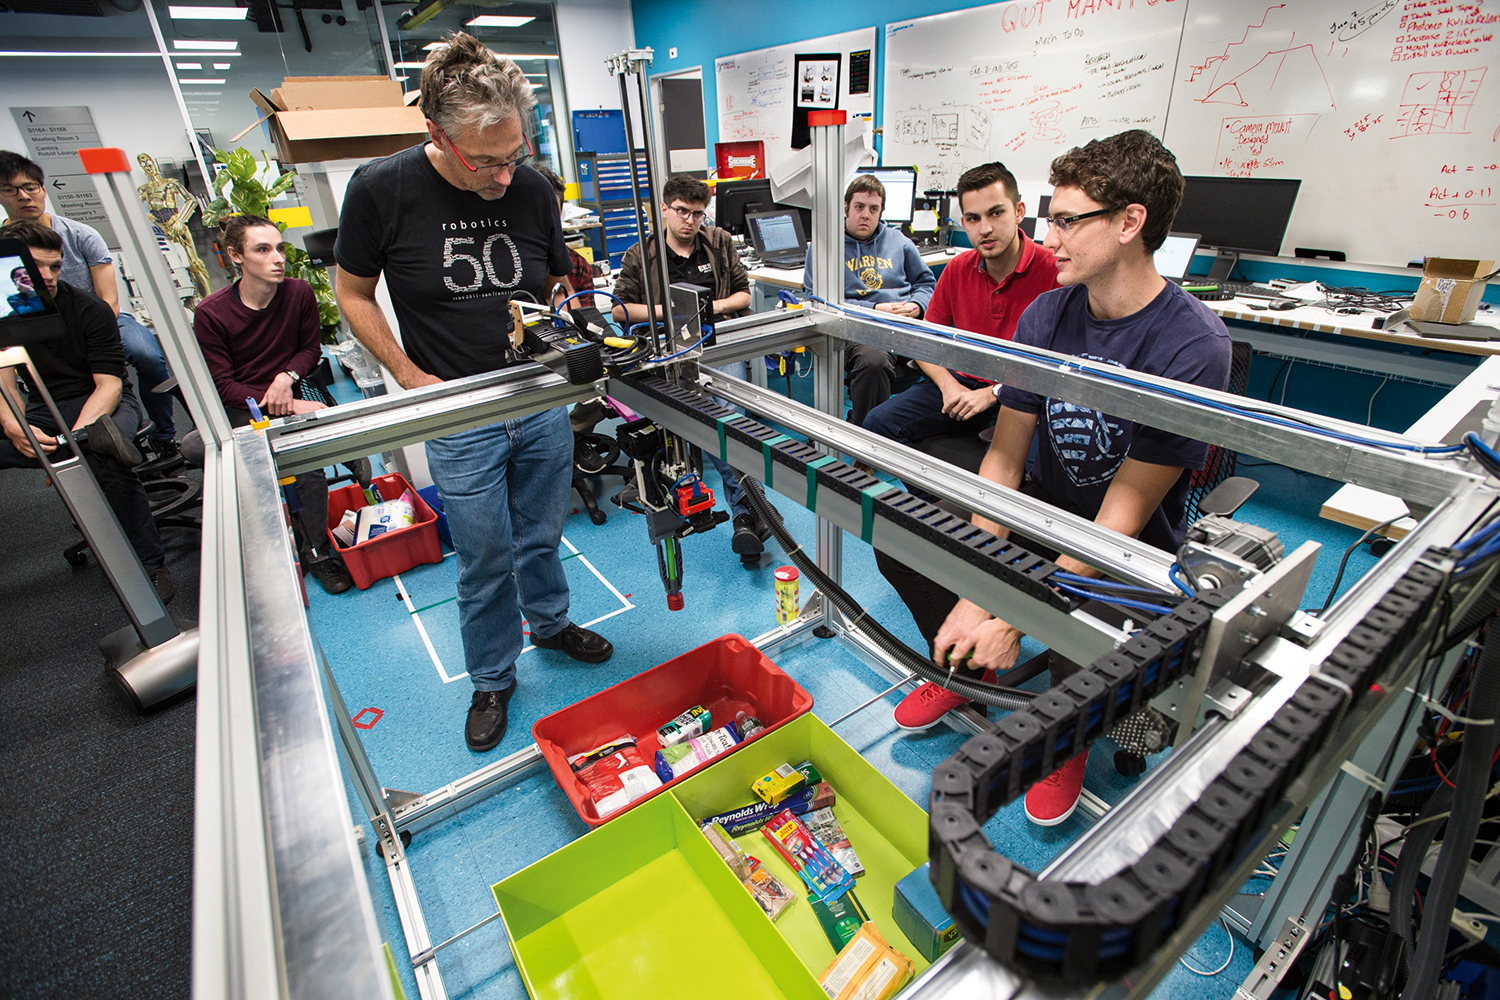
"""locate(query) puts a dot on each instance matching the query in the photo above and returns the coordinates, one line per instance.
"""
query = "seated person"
(1113, 202)
(260, 338)
(88, 266)
(884, 269)
(984, 290)
(697, 255)
(24, 299)
(84, 371)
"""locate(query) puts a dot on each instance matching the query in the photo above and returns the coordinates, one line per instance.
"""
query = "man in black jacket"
(696, 255)
(84, 371)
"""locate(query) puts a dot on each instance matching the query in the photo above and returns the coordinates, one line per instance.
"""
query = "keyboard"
(784, 263)
(1247, 289)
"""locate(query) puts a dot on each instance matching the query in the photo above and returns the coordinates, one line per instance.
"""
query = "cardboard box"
(339, 117)
(920, 915)
(1451, 289)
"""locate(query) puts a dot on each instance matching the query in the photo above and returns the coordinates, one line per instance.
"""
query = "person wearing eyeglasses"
(88, 266)
(696, 255)
(1113, 202)
(459, 226)
(984, 290)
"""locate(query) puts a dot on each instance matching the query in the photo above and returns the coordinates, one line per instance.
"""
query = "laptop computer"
(778, 238)
(1176, 255)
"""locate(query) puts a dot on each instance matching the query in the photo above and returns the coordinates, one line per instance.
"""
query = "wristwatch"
(294, 376)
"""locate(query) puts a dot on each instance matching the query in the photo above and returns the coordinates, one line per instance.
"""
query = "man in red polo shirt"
(984, 291)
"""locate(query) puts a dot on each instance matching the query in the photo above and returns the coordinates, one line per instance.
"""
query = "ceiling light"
(523, 56)
(192, 65)
(433, 45)
(194, 12)
(498, 21)
(219, 65)
(410, 65)
(198, 43)
(215, 54)
(198, 80)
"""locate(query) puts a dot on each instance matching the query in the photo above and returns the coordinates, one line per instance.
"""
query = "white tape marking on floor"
(422, 631)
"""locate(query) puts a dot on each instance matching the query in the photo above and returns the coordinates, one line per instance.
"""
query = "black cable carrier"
(1008, 561)
(1078, 932)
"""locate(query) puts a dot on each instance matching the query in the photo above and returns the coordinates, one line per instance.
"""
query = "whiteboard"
(1386, 109)
(756, 93)
(1023, 82)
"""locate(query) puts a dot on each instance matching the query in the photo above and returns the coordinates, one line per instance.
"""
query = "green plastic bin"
(642, 906)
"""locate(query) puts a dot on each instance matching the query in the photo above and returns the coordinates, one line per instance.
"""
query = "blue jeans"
(144, 354)
(734, 491)
(505, 492)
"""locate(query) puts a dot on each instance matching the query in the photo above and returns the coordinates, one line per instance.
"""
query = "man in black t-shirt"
(84, 371)
(459, 226)
(696, 255)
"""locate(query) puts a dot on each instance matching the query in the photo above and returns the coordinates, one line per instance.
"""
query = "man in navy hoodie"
(882, 269)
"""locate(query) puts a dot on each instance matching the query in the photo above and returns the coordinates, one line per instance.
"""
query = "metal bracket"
(398, 798)
(1277, 958)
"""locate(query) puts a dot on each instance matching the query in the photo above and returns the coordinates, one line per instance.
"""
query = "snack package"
(867, 968)
(390, 515)
(616, 774)
(827, 829)
(748, 819)
(773, 786)
(680, 758)
(840, 918)
(693, 722)
(816, 865)
(768, 890)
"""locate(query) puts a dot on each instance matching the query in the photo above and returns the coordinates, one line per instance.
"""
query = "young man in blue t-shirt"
(1112, 204)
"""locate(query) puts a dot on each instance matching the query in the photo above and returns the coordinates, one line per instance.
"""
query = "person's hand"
(18, 438)
(956, 637)
(965, 404)
(306, 406)
(417, 378)
(900, 308)
(278, 400)
(997, 644)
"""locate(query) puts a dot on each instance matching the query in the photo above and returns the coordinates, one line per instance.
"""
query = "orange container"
(726, 676)
(393, 552)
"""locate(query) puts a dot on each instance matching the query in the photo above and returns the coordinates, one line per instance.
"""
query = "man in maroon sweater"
(260, 339)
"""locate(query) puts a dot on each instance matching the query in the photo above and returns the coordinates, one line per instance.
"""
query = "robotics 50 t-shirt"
(451, 260)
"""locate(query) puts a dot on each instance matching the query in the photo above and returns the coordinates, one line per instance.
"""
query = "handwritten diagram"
(1438, 102)
(1266, 71)
(947, 126)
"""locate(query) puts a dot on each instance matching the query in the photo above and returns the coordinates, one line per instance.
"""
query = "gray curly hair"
(467, 86)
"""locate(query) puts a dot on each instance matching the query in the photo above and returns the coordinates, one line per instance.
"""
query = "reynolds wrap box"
(1451, 289)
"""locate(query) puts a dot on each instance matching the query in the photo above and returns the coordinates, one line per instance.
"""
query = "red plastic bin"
(393, 552)
(726, 676)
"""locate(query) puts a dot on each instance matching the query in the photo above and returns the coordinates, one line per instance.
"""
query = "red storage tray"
(393, 552)
(726, 676)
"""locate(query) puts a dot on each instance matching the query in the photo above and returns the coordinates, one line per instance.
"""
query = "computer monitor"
(732, 199)
(900, 192)
(1237, 215)
(27, 312)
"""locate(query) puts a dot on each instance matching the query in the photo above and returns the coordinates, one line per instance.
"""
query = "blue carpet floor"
(395, 652)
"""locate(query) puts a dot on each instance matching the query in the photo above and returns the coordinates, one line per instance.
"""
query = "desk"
(1364, 508)
(1285, 334)
(765, 282)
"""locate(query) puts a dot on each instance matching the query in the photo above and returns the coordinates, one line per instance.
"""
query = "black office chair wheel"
(77, 555)
(1129, 764)
(1380, 546)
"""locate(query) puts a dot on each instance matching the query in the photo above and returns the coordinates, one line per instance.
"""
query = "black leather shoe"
(161, 579)
(750, 534)
(360, 468)
(579, 643)
(489, 713)
(331, 575)
(104, 437)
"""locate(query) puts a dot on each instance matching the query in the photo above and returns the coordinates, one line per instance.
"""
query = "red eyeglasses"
(505, 165)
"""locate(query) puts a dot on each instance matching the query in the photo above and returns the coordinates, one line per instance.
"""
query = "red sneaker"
(1053, 799)
(930, 702)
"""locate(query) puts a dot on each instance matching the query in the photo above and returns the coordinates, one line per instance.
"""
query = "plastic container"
(726, 676)
(643, 905)
(430, 494)
(393, 552)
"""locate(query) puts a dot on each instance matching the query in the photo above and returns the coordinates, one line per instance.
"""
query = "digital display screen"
(900, 191)
(17, 296)
(1175, 256)
(778, 233)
